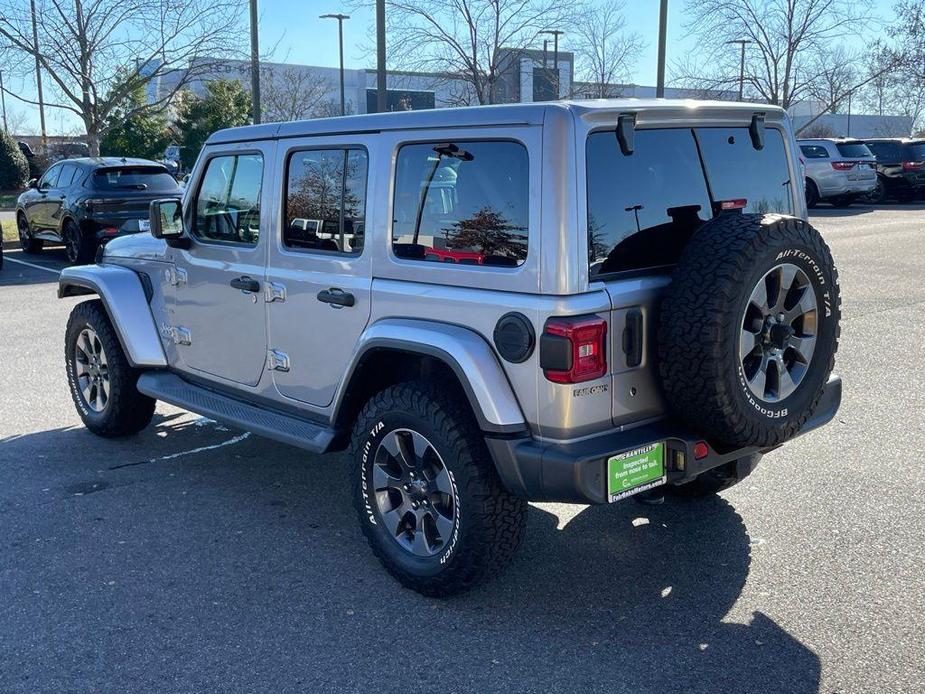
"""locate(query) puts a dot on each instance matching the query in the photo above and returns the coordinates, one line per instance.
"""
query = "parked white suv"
(574, 302)
(837, 171)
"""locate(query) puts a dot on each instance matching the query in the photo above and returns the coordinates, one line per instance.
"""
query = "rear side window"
(814, 151)
(854, 150)
(66, 175)
(642, 208)
(462, 203)
(149, 178)
(326, 200)
(738, 171)
(228, 201)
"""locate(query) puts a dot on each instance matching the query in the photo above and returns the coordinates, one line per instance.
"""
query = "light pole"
(555, 33)
(255, 65)
(6, 129)
(340, 36)
(381, 99)
(742, 43)
(662, 35)
(38, 78)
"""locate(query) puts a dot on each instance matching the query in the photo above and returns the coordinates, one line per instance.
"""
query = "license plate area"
(635, 471)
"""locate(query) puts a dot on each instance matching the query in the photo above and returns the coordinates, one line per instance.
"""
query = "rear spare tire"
(748, 328)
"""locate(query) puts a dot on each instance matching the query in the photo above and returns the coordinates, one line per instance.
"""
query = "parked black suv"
(900, 168)
(84, 203)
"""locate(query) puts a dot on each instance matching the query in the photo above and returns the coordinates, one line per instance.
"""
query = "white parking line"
(32, 265)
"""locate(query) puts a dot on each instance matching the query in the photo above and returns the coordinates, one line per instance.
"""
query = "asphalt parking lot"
(192, 558)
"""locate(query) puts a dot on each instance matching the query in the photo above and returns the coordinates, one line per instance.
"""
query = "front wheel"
(427, 494)
(101, 381)
(26, 242)
(812, 193)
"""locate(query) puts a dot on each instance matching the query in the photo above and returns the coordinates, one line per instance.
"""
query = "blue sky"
(301, 37)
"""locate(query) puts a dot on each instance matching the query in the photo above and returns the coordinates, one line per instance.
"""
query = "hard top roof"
(503, 114)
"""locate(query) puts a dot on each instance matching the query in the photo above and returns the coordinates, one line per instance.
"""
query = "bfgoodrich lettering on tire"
(426, 491)
(749, 328)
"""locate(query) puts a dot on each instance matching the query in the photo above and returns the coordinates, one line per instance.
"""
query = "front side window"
(50, 179)
(228, 202)
(462, 203)
(738, 171)
(326, 200)
(643, 207)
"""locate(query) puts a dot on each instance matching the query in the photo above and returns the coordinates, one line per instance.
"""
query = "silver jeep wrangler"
(571, 302)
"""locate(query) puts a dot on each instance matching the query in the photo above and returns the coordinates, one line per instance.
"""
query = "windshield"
(854, 150)
(149, 178)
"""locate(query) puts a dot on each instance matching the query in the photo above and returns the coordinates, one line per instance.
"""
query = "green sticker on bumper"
(635, 471)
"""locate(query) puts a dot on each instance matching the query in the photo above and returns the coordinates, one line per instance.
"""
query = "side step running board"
(274, 425)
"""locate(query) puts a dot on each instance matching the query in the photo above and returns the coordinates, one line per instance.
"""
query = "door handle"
(336, 297)
(246, 284)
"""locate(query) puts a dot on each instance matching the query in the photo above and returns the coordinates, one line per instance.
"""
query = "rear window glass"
(814, 151)
(856, 150)
(462, 203)
(914, 152)
(738, 171)
(642, 208)
(886, 151)
(134, 178)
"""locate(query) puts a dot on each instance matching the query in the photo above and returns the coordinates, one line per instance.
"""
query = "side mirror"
(33, 182)
(166, 218)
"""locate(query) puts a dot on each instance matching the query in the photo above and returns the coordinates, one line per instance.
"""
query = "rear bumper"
(576, 472)
(850, 188)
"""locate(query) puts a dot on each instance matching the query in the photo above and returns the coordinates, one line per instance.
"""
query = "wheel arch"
(125, 297)
(393, 350)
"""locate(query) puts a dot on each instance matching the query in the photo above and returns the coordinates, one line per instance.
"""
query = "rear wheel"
(79, 247)
(427, 494)
(102, 383)
(26, 242)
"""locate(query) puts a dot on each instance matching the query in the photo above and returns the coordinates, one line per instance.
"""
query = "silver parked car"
(838, 171)
(575, 302)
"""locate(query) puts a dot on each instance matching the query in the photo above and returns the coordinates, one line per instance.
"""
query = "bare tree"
(833, 76)
(95, 53)
(785, 38)
(463, 38)
(605, 52)
(292, 93)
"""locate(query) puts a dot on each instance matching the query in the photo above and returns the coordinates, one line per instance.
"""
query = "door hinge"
(277, 361)
(177, 335)
(175, 276)
(274, 292)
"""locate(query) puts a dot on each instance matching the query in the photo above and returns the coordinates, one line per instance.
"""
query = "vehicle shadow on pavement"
(243, 567)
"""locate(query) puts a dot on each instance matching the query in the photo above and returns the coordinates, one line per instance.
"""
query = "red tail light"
(910, 165)
(573, 350)
(843, 165)
(738, 204)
